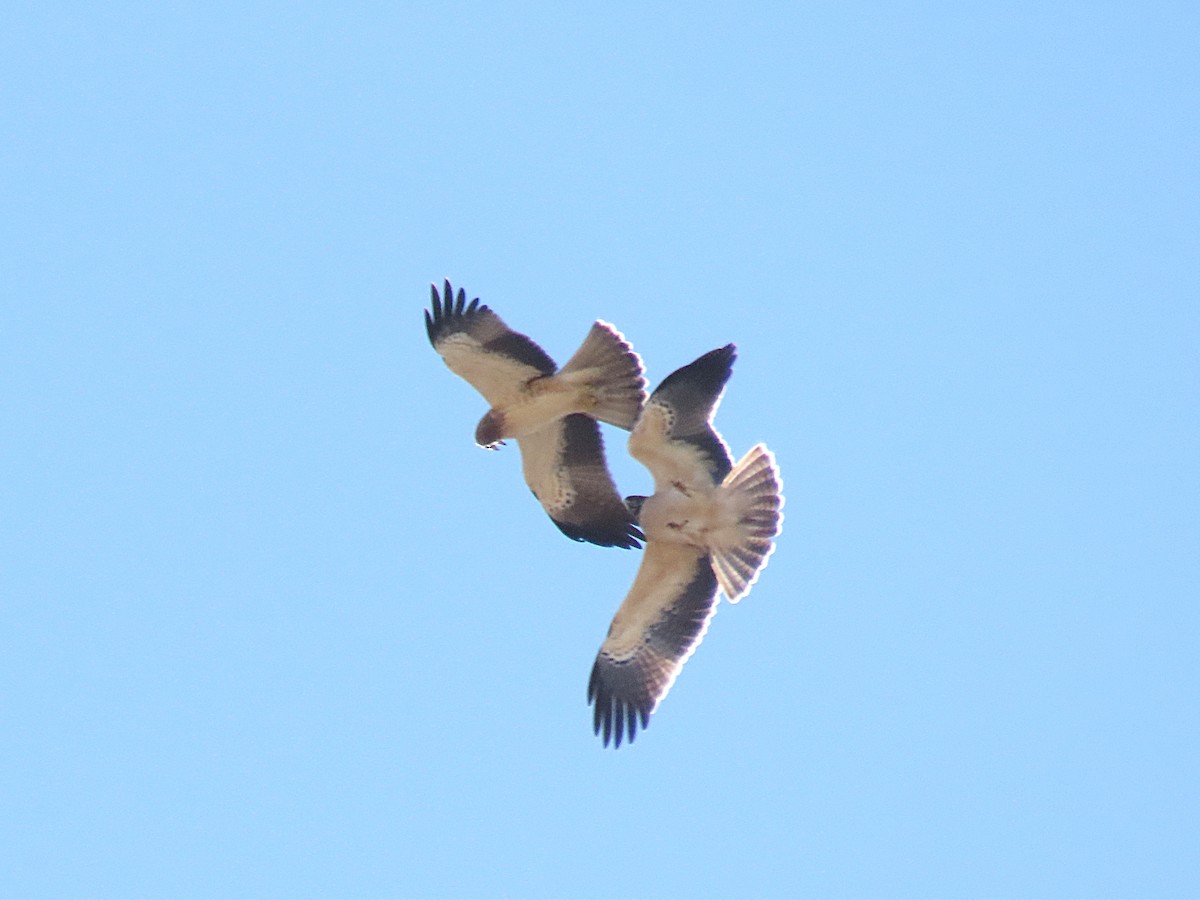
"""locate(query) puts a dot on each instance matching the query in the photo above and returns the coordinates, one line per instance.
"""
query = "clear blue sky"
(271, 625)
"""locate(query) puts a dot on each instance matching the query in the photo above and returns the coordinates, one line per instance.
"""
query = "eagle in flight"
(552, 413)
(709, 526)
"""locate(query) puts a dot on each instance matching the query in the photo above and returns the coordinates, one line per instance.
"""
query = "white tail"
(753, 491)
(610, 373)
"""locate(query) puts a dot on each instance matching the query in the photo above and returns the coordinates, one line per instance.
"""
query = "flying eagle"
(552, 413)
(708, 526)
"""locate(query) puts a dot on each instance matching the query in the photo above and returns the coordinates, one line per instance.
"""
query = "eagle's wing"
(480, 348)
(674, 437)
(565, 468)
(662, 620)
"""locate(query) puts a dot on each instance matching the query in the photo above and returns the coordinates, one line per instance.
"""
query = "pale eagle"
(708, 526)
(552, 413)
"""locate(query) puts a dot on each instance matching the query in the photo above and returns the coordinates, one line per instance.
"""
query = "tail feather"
(611, 373)
(754, 491)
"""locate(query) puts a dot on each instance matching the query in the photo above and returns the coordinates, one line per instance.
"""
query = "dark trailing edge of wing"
(452, 314)
(599, 516)
(711, 446)
(625, 692)
(626, 536)
(683, 622)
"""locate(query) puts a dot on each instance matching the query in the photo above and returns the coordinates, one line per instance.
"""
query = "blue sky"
(274, 626)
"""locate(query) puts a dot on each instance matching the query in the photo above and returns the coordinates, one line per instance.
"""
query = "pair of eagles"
(708, 527)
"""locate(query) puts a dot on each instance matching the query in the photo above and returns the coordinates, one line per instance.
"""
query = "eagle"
(709, 527)
(552, 413)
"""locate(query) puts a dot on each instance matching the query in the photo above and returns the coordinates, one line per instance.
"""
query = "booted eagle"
(552, 413)
(708, 526)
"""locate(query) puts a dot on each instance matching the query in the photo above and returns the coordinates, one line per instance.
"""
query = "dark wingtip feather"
(709, 372)
(703, 379)
(614, 718)
(450, 313)
(624, 535)
(432, 320)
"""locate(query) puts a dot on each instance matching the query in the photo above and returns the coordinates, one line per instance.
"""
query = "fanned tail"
(754, 492)
(611, 375)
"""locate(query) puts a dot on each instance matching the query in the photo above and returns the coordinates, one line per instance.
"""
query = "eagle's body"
(708, 526)
(552, 413)
(544, 400)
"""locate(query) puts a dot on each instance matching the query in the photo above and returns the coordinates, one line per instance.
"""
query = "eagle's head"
(490, 429)
(634, 505)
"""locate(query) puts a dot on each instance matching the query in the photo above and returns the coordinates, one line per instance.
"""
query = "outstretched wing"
(662, 621)
(565, 468)
(480, 348)
(674, 437)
